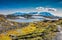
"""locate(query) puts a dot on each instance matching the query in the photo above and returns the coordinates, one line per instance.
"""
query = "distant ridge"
(30, 14)
(46, 14)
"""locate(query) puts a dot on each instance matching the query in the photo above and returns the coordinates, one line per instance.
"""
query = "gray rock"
(59, 34)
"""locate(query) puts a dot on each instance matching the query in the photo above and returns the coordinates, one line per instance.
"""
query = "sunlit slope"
(42, 30)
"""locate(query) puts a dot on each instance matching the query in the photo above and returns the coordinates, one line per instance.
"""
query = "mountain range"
(33, 14)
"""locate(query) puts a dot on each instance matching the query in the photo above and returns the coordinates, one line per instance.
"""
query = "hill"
(40, 30)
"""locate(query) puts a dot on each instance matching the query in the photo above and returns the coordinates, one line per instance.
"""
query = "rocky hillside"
(41, 30)
(6, 25)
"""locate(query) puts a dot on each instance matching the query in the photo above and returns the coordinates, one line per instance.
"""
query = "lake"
(25, 20)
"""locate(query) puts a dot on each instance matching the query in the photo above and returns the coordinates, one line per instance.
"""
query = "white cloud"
(51, 9)
(45, 9)
(40, 8)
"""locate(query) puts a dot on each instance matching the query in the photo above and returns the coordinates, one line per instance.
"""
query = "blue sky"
(24, 5)
(11, 4)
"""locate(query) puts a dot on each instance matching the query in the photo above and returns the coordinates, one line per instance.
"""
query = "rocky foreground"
(41, 30)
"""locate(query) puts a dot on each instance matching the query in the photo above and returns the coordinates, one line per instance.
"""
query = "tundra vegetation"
(40, 30)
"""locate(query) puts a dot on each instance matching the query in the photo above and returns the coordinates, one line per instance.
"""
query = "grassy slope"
(29, 31)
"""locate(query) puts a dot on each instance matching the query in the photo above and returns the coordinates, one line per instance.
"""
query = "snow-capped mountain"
(18, 14)
(33, 13)
(45, 14)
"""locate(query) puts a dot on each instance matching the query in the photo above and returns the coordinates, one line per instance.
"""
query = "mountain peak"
(46, 14)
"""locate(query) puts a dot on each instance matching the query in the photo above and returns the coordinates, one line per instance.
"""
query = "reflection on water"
(25, 20)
